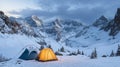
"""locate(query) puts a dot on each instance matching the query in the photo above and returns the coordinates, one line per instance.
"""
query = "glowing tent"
(47, 54)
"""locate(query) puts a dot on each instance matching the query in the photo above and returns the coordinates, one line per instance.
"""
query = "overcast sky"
(83, 10)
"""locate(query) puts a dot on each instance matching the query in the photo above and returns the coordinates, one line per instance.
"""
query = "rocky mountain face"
(101, 22)
(63, 29)
(102, 30)
(33, 21)
(114, 25)
(8, 26)
(11, 25)
(30, 21)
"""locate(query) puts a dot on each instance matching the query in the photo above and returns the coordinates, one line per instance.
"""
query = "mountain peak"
(117, 16)
(1, 13)
(33, 21)
(103, 18)
(100, 22)
(114, 25)
(37, 20)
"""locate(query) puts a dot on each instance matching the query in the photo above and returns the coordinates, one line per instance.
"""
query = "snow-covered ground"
(66, 61)
(12, 44)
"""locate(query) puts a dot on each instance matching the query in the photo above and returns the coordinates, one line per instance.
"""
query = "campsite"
(59, 33)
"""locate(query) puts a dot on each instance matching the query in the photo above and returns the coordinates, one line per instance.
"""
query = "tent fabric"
(24, 55)
(27, 55)
(47, 54)
(32, 55)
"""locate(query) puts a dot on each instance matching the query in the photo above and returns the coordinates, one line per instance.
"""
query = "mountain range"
(70, 34)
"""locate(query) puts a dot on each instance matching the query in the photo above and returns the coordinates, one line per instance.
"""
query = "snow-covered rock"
(114, 25)
(37, 20)
(101, 22)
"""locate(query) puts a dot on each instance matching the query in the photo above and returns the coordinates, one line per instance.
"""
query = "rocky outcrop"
(7, 25)
(101, 22)
(114, 25)
(34, 21)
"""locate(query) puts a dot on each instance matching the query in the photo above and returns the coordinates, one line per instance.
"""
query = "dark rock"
(114, 25)
(101, 22)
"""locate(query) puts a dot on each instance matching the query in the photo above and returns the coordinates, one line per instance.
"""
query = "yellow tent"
(47, 55)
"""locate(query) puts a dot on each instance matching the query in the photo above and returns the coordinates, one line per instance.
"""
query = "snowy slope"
(66, 61)
(11, 45)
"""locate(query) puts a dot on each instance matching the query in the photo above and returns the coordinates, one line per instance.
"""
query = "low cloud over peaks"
(83, 10)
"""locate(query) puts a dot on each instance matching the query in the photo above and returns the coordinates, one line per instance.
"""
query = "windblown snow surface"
(66, 61)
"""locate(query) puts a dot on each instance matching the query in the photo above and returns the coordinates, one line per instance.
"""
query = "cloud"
(83, 10)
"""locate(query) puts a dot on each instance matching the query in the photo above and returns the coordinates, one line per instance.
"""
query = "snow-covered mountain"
(70, 34)
(7, 25)
(33, 21)
(101, 22)
(114, 25)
